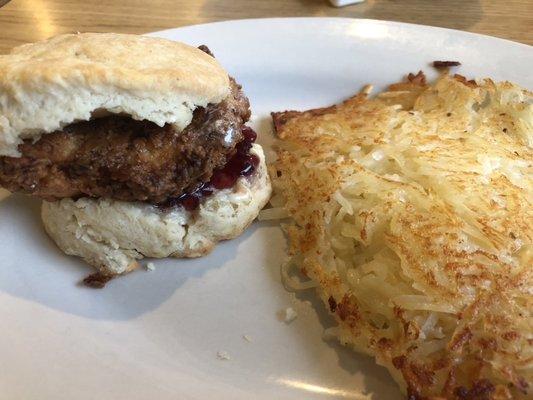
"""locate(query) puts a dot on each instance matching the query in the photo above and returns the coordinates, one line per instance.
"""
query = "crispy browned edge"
(281, 118)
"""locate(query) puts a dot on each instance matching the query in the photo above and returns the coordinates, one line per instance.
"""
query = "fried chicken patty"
(124, 159)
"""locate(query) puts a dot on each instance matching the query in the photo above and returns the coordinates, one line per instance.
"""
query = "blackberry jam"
(242, 163)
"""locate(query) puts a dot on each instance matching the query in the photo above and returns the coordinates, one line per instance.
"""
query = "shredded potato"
(411, 212)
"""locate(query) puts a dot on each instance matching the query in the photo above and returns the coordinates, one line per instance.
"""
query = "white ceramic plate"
(156, 335)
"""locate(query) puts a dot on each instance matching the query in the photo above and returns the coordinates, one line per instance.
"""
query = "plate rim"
(399, 24)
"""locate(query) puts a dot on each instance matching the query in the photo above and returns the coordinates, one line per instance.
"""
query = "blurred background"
(29, 20)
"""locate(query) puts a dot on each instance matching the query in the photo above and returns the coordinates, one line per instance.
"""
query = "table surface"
(24, 21)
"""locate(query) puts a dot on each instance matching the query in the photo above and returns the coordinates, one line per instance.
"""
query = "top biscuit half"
(47, 85)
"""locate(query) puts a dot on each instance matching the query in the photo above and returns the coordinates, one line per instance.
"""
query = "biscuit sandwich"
(137, 145)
